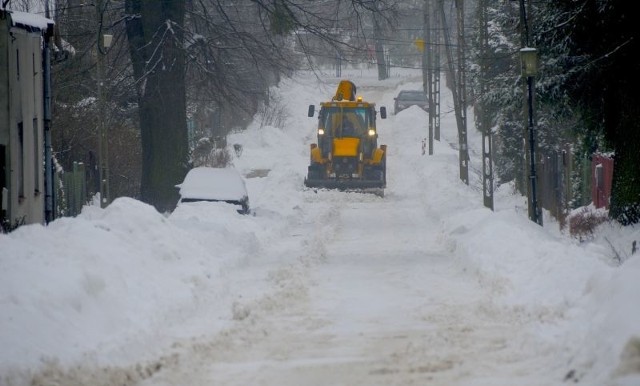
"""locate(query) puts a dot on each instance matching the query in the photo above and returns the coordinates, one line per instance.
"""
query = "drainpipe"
(48, 156)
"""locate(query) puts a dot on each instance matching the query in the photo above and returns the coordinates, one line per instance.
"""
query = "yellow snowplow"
(347, 155)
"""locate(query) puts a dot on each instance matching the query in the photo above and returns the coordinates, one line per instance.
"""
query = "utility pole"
(462, 84)
(103, 148)
(431, 68)
(458, 88)
(483, 121)
(427, 68)
(435, 49)
(49, 213)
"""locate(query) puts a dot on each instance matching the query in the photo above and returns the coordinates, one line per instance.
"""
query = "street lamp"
(529, 61)
(107, 39)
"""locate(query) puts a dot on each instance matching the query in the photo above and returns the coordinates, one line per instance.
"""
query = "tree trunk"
(379, 47)
(154, 30)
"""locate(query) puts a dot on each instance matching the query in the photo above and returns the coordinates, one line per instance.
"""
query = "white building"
(22, 171)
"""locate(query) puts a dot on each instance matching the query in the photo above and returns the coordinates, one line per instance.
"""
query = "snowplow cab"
(346, 155)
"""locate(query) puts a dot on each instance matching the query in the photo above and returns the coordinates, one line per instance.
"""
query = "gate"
(601, 178)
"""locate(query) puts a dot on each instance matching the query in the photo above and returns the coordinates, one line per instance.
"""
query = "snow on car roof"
(213, 184)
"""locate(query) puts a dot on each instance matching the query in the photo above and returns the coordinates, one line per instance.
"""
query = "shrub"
(584, 221)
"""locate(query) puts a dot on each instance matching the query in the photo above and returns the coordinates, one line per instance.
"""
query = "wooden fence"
(556, 190)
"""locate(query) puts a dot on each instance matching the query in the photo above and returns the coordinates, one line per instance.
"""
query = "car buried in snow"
(215, 185)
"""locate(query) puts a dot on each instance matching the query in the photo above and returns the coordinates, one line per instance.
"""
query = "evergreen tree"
(604, 76)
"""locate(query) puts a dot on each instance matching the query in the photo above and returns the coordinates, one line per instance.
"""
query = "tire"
(314, 172)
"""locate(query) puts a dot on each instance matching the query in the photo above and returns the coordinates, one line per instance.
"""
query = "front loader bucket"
(348, 185)
(341, 184)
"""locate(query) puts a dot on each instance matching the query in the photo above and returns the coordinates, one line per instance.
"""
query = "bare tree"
(222, 53)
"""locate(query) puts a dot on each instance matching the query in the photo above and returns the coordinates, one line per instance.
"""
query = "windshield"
(341, 121)
(413, 96)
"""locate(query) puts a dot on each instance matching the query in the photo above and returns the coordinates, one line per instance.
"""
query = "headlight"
(320, 131)
(372, 132)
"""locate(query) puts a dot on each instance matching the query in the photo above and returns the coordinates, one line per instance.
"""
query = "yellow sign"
(420, 44)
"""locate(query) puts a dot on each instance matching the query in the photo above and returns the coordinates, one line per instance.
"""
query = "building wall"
(4, 111)
(4, 117)
(22, 133)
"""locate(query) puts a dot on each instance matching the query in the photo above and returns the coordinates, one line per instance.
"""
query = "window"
(413, 96)
(334, 117)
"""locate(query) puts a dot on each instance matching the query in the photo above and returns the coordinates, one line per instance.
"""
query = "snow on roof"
(29, 21)
(213, 184)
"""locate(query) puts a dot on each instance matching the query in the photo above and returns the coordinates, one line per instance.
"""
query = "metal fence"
(73, 193)
(555, 170)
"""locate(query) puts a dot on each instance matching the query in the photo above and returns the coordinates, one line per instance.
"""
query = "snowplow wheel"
(314, 172)
(384, 169)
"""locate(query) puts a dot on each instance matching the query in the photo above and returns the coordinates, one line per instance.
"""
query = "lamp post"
(529, 61)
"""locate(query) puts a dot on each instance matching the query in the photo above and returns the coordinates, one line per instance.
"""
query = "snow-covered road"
(350, 309)
(376, 294)
(423, 286)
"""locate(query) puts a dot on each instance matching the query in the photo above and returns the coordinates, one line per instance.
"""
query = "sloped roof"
(29, 21)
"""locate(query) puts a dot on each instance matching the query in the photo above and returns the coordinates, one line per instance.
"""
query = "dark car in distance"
(408, 98)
